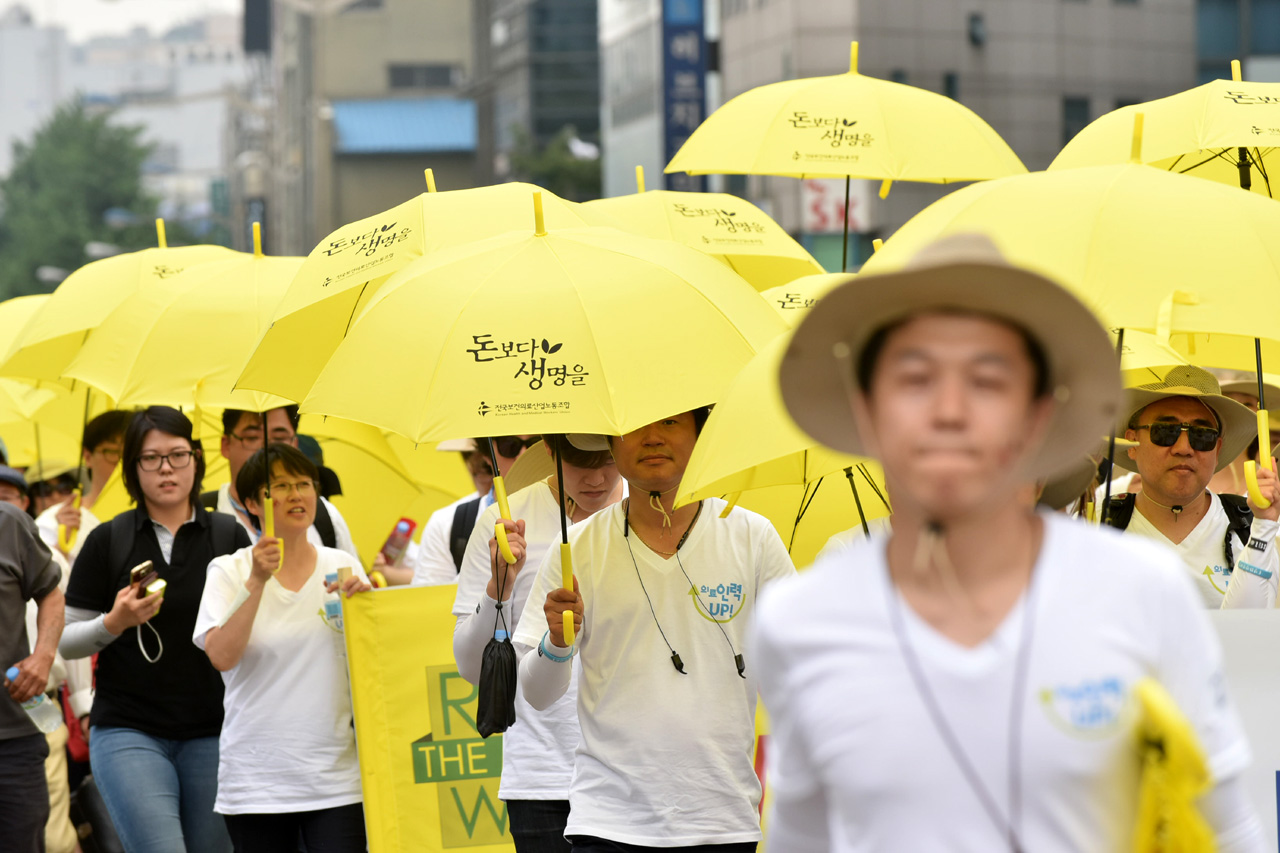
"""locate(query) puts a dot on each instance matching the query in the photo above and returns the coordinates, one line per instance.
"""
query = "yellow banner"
(430, 781)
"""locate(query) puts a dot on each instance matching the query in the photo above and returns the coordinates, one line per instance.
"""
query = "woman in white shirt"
(262, 623)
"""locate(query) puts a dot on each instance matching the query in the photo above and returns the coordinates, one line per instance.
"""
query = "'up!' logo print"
(718, 603)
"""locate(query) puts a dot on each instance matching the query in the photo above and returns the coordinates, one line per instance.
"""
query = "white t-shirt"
(47, 524)
(287, 744)
(845, 538)
(341, 533)
(1205, 557)
(537, 751)
(665, 758)
(857, 764)
(434, 565)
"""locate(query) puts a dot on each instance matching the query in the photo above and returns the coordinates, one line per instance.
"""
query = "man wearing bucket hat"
(1185, 430)
(666, 695)
(966, 682)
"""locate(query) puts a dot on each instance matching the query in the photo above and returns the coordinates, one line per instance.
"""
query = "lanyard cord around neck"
(1007, 827)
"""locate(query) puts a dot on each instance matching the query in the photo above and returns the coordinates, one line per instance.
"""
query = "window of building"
(1075, 116)
(427, 76)
(1218, 28)
(951, 85)
(1264, 29)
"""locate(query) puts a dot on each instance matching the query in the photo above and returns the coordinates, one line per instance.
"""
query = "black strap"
(1120, 510)
(122, 534)
(209, 500)
(1239, 519)
(223, 528)
(324, 525)
(464, 521)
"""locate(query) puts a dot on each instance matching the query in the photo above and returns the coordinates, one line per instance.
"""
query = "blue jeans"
(159, 792)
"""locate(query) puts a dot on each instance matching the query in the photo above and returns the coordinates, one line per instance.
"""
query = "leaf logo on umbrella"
(550, 348)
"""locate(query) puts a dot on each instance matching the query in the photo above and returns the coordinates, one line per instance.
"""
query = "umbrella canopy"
(1201, 132)
(847, 125)
(56, 331)
(575, 330)
(184, 345)
(730, 229)
(337, 279)
(1143, 248)
(792, 299)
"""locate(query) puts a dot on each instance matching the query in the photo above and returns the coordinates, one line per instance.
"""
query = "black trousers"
(24, 793)
(336, 830)
(537, 826)
(591, 844)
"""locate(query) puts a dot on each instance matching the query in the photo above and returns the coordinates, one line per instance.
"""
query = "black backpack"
(323, 523)
(464, 521)
(1239, 519)
(123, 527)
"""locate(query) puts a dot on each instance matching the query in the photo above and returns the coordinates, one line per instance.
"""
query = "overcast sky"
(84, 18)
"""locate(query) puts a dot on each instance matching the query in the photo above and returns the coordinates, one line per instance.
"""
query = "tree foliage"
(78, 166)
(554, 167)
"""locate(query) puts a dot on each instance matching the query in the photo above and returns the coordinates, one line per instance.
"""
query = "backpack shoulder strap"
(222, 530)
(209, 500)
(464, 521)
(122, 534)
(324, 525)
(1239, 516)
(1120, 510)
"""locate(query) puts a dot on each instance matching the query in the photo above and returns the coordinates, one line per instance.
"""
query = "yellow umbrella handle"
(504, 513)
(67, 540)
(269, 526)
(566, 578)
(1264, 454)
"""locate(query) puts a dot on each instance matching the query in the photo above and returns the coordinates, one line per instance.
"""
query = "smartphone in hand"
(141, 576)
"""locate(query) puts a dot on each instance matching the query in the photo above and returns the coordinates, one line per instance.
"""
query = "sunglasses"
(1201, 438)
(511, 446)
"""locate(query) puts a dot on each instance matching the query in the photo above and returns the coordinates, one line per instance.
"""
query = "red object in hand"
(398, 542)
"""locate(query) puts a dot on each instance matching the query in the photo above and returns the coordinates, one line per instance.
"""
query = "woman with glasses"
(262, 623)
(158, 708)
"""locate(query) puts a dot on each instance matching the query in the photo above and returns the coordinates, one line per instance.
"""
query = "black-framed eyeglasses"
(177, 459)
(1201, 438)
(510, 446)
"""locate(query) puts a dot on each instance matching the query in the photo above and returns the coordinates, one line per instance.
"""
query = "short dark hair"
(871, 350)
(169, 421)
(231, 419)
(105, 427)
(575, 457)
(253, 474)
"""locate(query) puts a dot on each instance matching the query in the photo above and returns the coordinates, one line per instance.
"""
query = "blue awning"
(404, 126)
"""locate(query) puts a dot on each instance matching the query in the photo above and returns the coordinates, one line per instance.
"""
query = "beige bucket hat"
(1239, 424)
(965, 272)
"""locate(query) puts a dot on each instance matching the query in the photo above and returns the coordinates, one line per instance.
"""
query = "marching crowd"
(962, 679)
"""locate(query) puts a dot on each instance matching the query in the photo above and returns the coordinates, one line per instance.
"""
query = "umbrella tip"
(539, 226)
(853, 58)
(884, 188)
(160, 239)
(1235, 71)
(431, 180)
(1135, 152)
(257, 239)
(877, 244)
(640, 179)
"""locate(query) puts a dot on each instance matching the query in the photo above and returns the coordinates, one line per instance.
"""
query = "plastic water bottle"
(42, 710)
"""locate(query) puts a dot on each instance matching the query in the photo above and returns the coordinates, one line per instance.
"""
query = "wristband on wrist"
(546, 653)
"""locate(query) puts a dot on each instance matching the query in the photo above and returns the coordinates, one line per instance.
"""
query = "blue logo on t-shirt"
(1092, 709)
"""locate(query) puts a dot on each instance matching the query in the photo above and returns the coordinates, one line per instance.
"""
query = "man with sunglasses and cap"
(967, 681)
(1184, 431)
(666, 695)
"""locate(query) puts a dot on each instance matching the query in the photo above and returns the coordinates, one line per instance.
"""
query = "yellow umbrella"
(1145, 358)
(1174, 776)
(1226, 131)
(750, 442)
(56, 331)
(792, 299)
(730, 229)
(574, 330)
(377, 487)
(183, 345)
(337, 279)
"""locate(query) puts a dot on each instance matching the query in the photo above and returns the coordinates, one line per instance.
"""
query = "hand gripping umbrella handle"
(1264, 454)
(67, 540)
(566, 578)
(504, 514)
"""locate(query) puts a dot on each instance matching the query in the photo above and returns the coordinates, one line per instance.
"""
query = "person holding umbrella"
(537, 752)
(103, 441)
(1184, 431)
(971, 681)
(666, 698)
